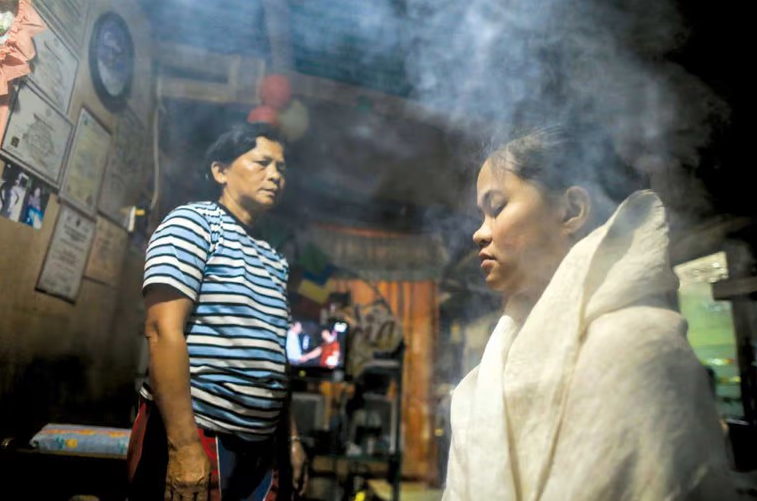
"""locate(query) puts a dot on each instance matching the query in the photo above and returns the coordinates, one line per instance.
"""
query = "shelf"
(363, 458)
(324, 465)
(383, 367)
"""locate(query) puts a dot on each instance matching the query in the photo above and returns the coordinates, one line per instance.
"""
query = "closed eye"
(493, 204)
(496, 209)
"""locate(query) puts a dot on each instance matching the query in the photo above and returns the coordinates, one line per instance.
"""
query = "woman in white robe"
(587, 389)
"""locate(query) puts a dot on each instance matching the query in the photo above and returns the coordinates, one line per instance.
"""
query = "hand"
(188, 475)
(299, 468)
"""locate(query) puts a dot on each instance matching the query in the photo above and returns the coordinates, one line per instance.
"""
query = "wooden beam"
(210, 92)
(233, 79)
(734, 288)
(692, 242)
(217, 78)
(349, 95)
(194, 59)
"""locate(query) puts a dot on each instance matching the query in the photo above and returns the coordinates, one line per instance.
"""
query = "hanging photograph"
(13, 191)
(124, 170)
(108, 250)
(54, 69)
(86, 163)
(69, 16)
(37, 135)
(23, 197)
(67, 255)
(111, 60)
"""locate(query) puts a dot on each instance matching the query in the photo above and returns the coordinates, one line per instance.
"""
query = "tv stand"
(362, 439)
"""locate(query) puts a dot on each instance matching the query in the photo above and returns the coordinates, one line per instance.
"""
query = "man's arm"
(313, 354)
(188, 473)
(174, 267)
(167, 312)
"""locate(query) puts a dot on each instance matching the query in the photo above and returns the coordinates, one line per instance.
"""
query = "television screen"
(310, 344)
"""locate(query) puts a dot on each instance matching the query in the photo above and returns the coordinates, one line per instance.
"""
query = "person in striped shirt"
(217, 321)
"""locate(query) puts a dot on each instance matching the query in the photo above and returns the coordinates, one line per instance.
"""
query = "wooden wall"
(74, 358)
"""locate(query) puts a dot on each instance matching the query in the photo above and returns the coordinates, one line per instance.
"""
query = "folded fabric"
(597, 396)
(82, 440)
(313, 291)
(320, 278)
(18, 48)
(312, 259)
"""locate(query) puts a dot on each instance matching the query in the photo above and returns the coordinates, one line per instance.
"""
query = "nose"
(482, 237)
(275, 175)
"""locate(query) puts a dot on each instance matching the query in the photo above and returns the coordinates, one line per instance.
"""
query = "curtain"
(15, 53)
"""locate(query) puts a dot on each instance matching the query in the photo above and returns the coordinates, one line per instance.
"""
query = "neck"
(241, 213)
(518, 308)
(519, 305)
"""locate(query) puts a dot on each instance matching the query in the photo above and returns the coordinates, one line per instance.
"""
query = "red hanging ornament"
(275, 91)
(264, 114)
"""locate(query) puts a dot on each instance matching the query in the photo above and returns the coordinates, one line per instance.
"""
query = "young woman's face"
(522, 237)
(255, 180)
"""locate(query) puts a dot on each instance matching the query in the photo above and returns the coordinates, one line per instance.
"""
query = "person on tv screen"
(294, 346)
(329, 352)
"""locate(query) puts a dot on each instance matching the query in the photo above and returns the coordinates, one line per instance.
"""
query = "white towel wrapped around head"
(598, 396)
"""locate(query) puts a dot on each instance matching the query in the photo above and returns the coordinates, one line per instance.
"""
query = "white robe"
(598, 397)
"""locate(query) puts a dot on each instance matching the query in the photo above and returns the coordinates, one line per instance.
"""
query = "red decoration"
(264, 114)
(275, 91)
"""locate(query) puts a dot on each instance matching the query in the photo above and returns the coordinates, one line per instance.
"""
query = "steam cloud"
(518, 62)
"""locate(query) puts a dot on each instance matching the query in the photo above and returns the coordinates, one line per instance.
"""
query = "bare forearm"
(169, 379)
(313, 354)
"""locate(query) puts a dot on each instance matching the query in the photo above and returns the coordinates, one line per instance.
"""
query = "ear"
(218, 170)
(577, 210)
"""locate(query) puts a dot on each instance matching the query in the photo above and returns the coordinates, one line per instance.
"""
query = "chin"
(267, 203)
(493, 282)
(498, 283)
(259, 206)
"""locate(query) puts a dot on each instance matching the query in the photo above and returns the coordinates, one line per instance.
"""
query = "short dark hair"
(579, 154)
(237, 141)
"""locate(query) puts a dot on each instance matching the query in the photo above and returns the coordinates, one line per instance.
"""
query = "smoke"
(495, 65)
(524, 63)
(490, 65)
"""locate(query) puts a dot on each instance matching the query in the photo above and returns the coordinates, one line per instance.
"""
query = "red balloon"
(275, 91)
(263, 114)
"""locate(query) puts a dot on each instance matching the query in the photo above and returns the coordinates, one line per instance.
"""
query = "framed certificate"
(37, 135)
(67, 255)
(68, 16)
(124, 170)
(54, 69)
(86, 163)
(108, 251)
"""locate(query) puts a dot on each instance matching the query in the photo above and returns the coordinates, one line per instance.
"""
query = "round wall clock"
(111, 60)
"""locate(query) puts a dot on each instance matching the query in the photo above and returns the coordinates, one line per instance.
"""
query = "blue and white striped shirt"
(236, 334)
